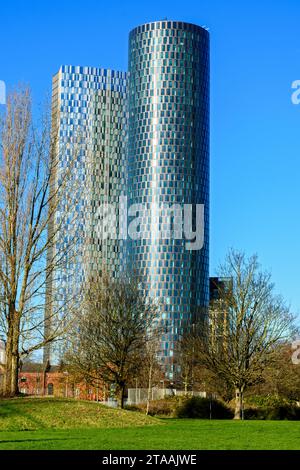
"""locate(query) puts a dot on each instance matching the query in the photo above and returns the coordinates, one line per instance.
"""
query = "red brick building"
(47, 380)
(38, 379)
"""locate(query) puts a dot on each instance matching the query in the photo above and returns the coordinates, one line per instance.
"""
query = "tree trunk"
(238, 413)
(14, 375)
(9, 379)
(11, 388)
(186, 385)
(15, 359)
(149, 390)
(7, 374)
(121, 396)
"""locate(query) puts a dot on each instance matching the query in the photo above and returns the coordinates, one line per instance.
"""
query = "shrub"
(255, 413)
(271, 408)
(132, 408)
(267, 401)
(164, 407)
(256, 407)
(203, 408)
(287, 412)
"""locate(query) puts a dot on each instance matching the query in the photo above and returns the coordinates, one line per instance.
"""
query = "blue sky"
(255, 128)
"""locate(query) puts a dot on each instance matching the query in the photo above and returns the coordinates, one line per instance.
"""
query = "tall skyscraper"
(168, 163)
(89, 111)
(145, 135)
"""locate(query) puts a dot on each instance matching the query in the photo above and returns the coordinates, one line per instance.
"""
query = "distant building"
(89, 129)
(218, 287)
(218, 314)
(47, 380)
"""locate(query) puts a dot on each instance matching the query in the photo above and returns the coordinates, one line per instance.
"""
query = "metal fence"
(140, 395)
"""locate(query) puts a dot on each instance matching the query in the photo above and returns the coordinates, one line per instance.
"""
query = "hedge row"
(205, 408)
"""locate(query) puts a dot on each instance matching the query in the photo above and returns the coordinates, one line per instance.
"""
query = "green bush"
(281, 412)
(267, 401)
(132, 408)
(256, 413)
(163, 407)
(256, 408)
(203, 408)
(271, 407)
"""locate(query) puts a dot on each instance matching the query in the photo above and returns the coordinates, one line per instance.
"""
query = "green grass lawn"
(26, 414)
(66, 424)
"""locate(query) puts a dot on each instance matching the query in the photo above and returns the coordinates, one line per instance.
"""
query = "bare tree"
(113, 329)
(282, 377)
(29, 198)
(151, 362)
(256, 322)
(187, 358)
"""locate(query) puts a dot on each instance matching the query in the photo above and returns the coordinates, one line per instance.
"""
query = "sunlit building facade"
(168, 163)
(144, 135)
(89, 131)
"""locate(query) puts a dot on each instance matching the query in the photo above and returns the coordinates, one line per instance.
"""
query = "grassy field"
(65, 424)
(26, 414)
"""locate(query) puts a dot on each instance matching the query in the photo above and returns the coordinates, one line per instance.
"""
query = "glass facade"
(168, 163)
(144, 135)
(89, 125)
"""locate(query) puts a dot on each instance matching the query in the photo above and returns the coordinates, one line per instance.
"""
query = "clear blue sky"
(255, 129)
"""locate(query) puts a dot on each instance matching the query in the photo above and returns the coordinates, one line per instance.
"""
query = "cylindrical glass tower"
(168, 163)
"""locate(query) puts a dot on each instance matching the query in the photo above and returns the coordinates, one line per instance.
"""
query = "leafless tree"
(187, 358)
(257, 321)
(29, 198)
(282, 377)
(151, 365)
(113, 331)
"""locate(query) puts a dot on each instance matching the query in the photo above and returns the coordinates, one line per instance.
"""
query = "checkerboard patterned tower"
(168, 163)
(89, 108)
